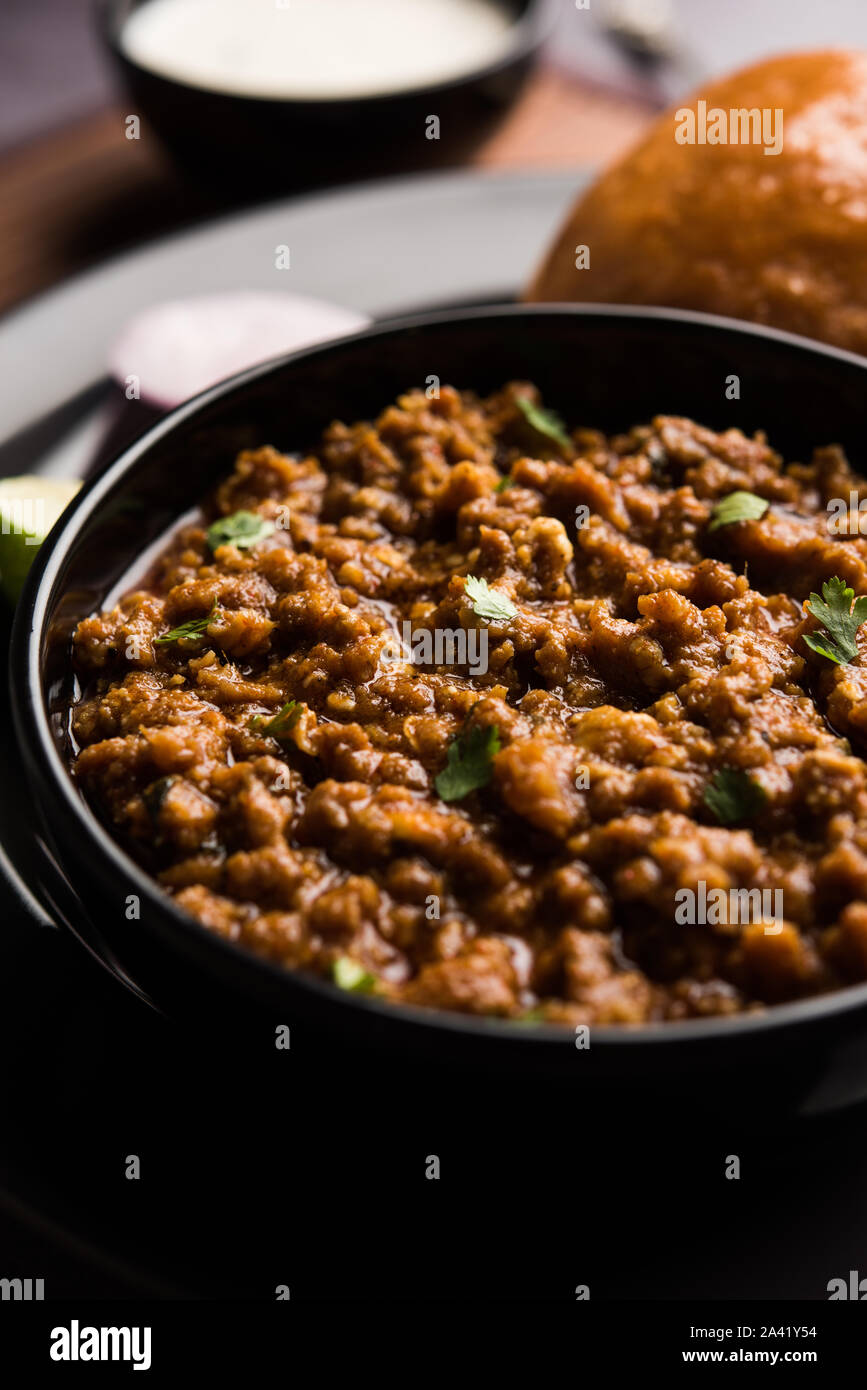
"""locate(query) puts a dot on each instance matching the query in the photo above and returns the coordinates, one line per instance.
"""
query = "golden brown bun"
(779, 239)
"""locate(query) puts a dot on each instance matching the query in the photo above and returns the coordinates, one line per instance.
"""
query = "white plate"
(383, 249)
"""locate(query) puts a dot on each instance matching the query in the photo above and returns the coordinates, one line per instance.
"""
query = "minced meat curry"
(476, 713)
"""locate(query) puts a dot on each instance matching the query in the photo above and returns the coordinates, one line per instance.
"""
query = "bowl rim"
(528, 32)
(41, 755)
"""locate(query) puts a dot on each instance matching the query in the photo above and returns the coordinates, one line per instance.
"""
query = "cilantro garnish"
(503, 484)
(154, 795)
(544, 422)
(243, 529)
(532, 1016)
(737, 506)
(349, 974)
(193, 629)
(842, 619)
(282, 723)
(469, 763)
(489, 603)
(733, 795)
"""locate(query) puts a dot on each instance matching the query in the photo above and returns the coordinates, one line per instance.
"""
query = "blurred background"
(73, 188)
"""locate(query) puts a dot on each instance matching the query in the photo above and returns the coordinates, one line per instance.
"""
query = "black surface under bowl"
(278, 144)
(606, 367)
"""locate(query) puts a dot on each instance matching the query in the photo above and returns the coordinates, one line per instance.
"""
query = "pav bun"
(777, 238)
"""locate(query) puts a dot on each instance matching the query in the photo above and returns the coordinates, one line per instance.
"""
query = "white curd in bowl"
(312, 49)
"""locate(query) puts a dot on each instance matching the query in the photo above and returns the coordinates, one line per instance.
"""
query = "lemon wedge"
(29, 507)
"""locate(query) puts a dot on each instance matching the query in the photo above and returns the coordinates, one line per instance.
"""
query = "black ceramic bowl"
(608, 367)
(274, 144)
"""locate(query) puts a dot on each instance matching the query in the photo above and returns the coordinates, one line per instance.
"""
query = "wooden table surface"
(69, 200)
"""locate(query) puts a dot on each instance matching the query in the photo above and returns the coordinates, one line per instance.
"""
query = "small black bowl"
(271, 144)
(608, 367)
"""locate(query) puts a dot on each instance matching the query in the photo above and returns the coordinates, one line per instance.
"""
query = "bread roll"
(777, 238)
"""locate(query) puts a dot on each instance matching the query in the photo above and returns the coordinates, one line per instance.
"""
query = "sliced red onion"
(171, 351)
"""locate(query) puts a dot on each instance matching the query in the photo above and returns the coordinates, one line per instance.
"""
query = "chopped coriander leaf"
(154, 795)
(840, 617)
(192, 630)
(349, 974)
(503, 484)
(243, 529)
(469, 763)
(737, 506)
(734, 796)
(544, 422)
(489, 603)
(282, 723)
(536, 1015)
